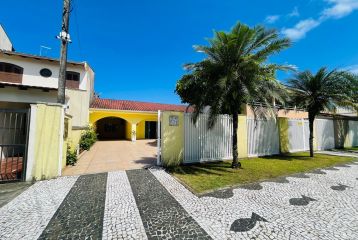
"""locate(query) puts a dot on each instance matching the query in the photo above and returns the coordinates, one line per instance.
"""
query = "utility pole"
(65, 39)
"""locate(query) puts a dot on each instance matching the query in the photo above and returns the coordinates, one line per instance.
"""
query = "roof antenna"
(44, 47)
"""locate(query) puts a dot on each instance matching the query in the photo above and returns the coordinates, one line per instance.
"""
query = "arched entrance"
(111, 128)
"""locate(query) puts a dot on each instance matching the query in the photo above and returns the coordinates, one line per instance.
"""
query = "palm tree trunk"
(235, 155)
(310, 122)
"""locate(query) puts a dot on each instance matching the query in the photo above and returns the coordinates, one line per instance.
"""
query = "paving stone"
(9, 191)
(318, 212)
(27, 215)
(121, 216)
(80, 215)
(162, 215)
(151, 204)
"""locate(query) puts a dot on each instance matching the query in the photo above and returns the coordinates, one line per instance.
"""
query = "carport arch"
(111, 128)
(133, 119)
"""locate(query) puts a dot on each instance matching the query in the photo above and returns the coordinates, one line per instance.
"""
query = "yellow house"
(130, 120)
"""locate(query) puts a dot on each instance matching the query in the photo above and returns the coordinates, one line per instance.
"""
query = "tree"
(234, 72)
(323, 91)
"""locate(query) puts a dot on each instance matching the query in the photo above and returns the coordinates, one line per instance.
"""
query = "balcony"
(10, 77)
(72, 84)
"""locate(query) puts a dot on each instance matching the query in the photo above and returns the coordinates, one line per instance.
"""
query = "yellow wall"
(66, 139)
(283, 133)
(135, 120)
(172, 141)
(128, 131)
(242, 136)
(284, 113)
(78, 106)
(74, 138)
(47, 141)
(141, 130)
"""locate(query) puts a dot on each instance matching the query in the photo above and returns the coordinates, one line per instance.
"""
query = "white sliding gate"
(201, 144)
(298, 135)
(324, 133)
(353, 132)
(262, 137)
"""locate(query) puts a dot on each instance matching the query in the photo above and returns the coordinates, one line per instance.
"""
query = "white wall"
(5, 43)
(32, 67)
(13, 94)
(78, 100)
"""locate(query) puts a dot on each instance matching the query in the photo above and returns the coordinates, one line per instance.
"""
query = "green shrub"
(71, 157)
(88, 138)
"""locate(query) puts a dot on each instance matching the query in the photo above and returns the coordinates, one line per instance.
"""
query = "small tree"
(235, 72)
(323, 91)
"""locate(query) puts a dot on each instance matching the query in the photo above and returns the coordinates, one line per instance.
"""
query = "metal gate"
(298, 135)
(13, 144)
(262, 137)
(201, 144)
(324, 133)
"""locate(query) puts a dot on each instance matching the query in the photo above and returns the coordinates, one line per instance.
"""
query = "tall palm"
(323, 91)
(234, 72)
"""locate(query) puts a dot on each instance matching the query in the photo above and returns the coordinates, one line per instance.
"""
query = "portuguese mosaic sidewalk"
(150, 204)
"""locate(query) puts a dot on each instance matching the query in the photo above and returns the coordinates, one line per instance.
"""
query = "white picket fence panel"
(298, 135)
(353, 132)
(324, 134)
(201, 144)
(263, 137)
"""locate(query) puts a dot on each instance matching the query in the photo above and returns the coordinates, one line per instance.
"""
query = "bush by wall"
(88, 138)
(71, 156)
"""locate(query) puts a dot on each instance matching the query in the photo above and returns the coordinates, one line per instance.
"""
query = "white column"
(158, 139)
(134, 132)
(31, 143)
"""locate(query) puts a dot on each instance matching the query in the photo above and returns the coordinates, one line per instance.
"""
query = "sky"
(138, 48)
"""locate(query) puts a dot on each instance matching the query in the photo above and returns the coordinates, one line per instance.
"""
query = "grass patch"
(210, 176)
(352, 148)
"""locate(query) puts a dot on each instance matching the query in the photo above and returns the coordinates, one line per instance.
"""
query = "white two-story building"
(34, 129)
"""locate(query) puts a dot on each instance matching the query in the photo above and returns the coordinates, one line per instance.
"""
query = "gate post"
(283, 134)
(158, 138)
(31, 143)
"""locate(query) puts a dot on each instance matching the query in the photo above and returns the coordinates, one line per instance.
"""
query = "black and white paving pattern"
(151, 204)
(162, 215)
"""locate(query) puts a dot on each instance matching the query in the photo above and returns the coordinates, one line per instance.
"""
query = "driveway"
(107, 156)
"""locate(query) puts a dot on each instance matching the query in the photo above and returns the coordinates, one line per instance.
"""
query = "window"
(10, 68)
(45, 72)
(73, 76)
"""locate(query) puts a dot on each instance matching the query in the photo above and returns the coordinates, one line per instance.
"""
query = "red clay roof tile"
(102, 103)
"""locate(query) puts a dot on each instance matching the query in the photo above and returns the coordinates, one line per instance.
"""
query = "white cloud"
(300, 29)
(272, 19)
(340, 8)
(352, 69)
(336, 9)
(294, 13)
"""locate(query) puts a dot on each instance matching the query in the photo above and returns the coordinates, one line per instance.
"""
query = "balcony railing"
(10, 77)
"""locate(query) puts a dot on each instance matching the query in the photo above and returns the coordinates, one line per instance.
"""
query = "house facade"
(36, 130)
(130, 120)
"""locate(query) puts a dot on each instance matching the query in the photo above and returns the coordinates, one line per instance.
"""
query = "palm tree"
(234, 72)
(323, 91)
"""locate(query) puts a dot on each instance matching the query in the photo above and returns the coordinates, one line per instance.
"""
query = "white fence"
(201, 144)
(324, 134)
(298, 135)
(263, 137)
